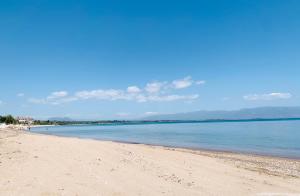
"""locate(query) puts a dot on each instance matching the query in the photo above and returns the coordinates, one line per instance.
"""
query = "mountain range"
(242, 114)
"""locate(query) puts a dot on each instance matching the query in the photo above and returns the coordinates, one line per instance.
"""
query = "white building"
(25, 120)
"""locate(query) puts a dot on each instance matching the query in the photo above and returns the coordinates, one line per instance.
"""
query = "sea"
(273, 138)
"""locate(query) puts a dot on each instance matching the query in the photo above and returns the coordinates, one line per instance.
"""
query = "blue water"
(277, 138)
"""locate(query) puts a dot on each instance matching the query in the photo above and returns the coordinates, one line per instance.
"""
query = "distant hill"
(61, 119)
(250, 113)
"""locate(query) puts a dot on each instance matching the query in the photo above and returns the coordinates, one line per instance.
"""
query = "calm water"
(279, 138)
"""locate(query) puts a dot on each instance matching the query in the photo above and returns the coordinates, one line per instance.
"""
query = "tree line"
(9, 119)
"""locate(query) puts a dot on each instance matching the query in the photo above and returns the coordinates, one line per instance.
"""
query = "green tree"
(8, 119)
(2, 119)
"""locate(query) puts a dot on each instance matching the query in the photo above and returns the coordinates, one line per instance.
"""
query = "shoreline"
(267, 155)
(206, 152)
(192, 150)
(38, 164)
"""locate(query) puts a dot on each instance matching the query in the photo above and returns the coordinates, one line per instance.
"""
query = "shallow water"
(278, 138)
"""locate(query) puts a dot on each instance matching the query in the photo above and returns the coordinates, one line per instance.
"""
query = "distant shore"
(138, 122)
(35, 164)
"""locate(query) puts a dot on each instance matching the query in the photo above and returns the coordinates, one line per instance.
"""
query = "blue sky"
(127, 59)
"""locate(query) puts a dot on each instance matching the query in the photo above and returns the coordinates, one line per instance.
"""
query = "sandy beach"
(33, 164)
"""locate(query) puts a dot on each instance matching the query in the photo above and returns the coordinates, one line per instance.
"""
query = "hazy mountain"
(250, 113)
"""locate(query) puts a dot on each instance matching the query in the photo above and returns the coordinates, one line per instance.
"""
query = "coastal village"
(25, 120)
(19, 122)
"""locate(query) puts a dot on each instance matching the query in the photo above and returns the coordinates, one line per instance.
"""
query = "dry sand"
(33, 164)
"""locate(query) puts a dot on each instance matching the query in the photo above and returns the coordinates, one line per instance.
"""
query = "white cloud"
(20, 94)
(133, 89)
(141, 98)
(121, 95)
(1, 102)
(200, 82)
(154, 92)
(58, 94)
(113, 95)
(267, 97)
(155, 87)
(110, 94)
(55, 98)
(186, 82)
(183, 83)
(172, 97)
